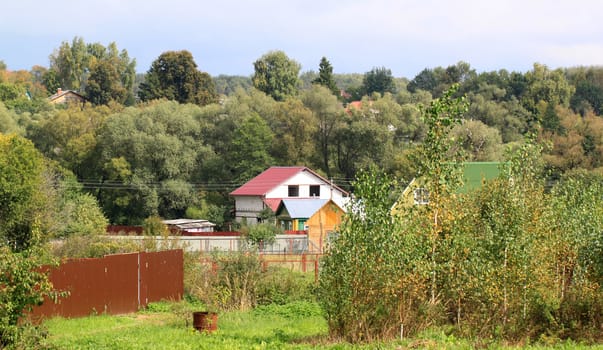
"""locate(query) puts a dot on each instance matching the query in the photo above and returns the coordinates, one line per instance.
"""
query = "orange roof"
(355, 104)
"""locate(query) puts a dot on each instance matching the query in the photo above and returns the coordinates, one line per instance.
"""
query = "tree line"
(174, 141)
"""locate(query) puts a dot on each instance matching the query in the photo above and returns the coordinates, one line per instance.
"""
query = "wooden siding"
(324, 221)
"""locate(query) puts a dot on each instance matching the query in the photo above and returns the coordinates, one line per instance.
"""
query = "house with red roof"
(276, 183)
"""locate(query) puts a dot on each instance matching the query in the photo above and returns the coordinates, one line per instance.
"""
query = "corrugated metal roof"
(272, 203)
(474, 173)
(189, 223)
(272, 177)
(267, 180)
(303, 208)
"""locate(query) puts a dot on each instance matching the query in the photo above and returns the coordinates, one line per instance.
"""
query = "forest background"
(175, 141)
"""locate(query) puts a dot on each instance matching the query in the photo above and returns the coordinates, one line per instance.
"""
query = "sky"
(227, 36)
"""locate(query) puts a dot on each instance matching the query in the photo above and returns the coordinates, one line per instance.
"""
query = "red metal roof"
(267, 180)
(272, 177)
(273, 203)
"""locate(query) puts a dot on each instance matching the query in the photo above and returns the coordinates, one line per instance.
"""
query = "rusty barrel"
(205, 321)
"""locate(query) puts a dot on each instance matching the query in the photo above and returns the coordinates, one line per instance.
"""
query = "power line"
(92, 184)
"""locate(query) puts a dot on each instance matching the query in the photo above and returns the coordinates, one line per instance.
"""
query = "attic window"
(293, 191)
(314, 190)
(421, 196)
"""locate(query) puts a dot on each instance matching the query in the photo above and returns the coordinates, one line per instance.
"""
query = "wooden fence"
(115, 284)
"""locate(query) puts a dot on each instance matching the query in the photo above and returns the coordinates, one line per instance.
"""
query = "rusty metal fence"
(115, 284)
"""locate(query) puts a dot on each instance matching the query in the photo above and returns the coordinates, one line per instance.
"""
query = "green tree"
(589, 89)
(359, 279)
(77, 213)
(439, 169)
(479, 142)
(228, 84)
(104, 85)
(378, 80)
(547, 86)
(21, 195)
(294, 130)
(174, 76)
(23, 287)
(149, 158)
(276, 75)
(327, 110)
(102, 73)
(250, 152)
(325, 76)
(8, 121)
(68, 136)
(359, 143)
(426, 80)
(69, 64)
(261, 234)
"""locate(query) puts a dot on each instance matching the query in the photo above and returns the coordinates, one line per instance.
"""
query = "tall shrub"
(358, 284)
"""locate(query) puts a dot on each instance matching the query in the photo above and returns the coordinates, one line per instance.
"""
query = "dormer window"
(293, 191)
(421, 196)
(314, 190)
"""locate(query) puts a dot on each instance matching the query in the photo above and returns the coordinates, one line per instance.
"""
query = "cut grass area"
(294, 326)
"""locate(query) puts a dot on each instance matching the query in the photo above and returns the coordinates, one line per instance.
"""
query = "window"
(287, 225)
(314, 190)
(293, 191)
(421, 196)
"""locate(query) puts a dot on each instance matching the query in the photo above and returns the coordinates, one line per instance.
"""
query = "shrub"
(281, 286)
(228, 283)
(294, 309)
(236, 281)
(92, 247)
(23, 286)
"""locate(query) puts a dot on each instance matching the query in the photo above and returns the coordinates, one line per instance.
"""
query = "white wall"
(304, 179)
(282, 244)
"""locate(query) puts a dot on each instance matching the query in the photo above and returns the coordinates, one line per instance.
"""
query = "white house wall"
(304, 180)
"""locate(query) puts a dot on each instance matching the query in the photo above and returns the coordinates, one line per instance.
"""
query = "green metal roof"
(474, 173)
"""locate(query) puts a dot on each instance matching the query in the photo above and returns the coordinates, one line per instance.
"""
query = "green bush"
(235, 281)
(282, 286)
(92, 246)
(227, 283)
(295, 309)
(22, 286)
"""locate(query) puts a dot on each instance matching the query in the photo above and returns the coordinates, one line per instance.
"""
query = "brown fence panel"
(114, 284)
(120, 283)
(161, 276)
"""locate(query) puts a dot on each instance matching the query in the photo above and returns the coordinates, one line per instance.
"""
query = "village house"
(67, 97)
(473, 177)
(265, 191)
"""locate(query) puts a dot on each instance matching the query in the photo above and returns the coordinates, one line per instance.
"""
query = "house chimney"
(59, 91)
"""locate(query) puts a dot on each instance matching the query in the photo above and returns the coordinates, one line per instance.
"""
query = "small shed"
(190, 225)
(318, 218)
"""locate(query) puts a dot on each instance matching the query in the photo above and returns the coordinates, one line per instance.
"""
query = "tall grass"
(298, 325)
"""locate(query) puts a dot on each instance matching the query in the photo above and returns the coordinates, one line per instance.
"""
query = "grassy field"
(169, 326)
